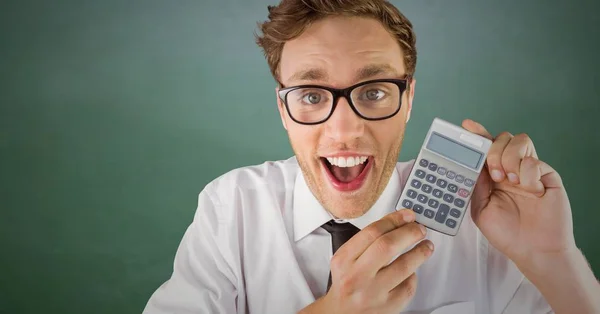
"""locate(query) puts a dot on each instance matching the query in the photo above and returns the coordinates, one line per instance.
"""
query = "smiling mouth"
(347, 173)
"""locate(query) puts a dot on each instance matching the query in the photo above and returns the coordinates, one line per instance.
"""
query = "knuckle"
(384, 244)
(372, 232)
(411, 286)
(337, 261)
(401, 269)
(347, 283)
(523, 137)
(505, 134)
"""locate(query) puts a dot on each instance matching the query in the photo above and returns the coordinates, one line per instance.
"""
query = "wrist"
(319, 306)
(546, 264)
(566, 281)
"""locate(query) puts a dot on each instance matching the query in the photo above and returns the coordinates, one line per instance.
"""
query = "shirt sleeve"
(528, 299)
(203, 278)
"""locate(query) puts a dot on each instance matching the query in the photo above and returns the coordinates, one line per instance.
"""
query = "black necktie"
(340, 233)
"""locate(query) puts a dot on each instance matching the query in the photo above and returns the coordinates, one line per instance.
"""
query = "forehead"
(339, 51)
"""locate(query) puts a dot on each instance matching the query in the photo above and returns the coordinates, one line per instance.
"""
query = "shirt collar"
(309, 214)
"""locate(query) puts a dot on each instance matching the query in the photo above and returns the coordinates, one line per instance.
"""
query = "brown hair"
(291, 17)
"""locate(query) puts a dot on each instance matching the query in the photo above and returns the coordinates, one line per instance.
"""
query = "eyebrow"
(312, 74)
(372, 70)
(366, 72)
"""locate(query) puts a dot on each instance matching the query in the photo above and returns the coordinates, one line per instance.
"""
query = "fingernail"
(497, 175)
(513, 178)
(423, 229)
(429, 245)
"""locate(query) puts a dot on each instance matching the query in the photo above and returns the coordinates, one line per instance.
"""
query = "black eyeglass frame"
(346, 93)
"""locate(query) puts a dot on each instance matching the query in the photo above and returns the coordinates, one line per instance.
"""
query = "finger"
(405, 265)
(388, 246)
(481, 193)
(477, 128)
(537, 176)
(519, 147)
(403, 293)
(356, 246)
(494, 157)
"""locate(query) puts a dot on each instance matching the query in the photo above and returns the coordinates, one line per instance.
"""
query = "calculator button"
(407, 204)
(454, 212)
(442, 170)
(430, 178)
(448, 198)
(426, 188)
(420, 174)
(432, 167)
(469, 182)
(418, 209)
(429, 213)
(463, 193)
(442, 183)
(459, 178)
(450, 174)
(459, 203)
(415, 183)
(451, 223)
(433, 203)
(437, 193)
(442, 213)
(422, 198)
(452, 188)
(411, 193)
(423, 162)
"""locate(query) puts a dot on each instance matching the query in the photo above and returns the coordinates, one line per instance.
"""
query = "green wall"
(115, 114)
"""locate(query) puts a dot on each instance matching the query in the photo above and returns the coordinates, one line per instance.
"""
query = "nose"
(344, 125)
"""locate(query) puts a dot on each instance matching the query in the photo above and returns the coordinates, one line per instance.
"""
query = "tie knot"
(336, 227)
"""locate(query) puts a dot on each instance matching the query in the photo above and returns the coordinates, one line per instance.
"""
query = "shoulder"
(239, 188)
(269, 174)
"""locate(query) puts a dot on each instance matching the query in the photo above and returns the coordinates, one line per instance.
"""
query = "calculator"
(443, 176)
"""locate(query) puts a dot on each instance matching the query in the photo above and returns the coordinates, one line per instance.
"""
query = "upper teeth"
(347, 161)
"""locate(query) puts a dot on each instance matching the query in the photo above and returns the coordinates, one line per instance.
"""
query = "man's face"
(339, 52)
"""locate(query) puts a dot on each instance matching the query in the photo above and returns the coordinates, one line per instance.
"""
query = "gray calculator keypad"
(426, 188)
(438, 193)
(411, 193)
(430, 178)
(415, 183)
(441, 183)
(442, 213)
(442, 170)
(433, 203)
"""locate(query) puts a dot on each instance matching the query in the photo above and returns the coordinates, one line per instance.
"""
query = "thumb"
(481, 193)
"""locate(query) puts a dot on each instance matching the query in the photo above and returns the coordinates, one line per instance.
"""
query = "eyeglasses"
(371, 100)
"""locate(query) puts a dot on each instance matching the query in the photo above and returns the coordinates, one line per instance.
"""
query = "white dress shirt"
(255, 246)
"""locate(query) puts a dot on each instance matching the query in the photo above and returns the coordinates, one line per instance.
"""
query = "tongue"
(347, 174)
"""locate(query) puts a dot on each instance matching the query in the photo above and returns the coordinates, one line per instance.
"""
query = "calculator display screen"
(454, 150)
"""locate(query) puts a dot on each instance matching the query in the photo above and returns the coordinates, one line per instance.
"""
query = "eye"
(374, 94)
(312, 98)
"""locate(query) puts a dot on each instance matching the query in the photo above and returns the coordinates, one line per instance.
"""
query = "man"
(261, 240)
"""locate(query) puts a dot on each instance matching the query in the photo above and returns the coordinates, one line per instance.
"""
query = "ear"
(411, 96)
(281, 108)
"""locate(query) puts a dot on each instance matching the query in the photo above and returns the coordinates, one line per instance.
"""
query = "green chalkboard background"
(115, 114)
